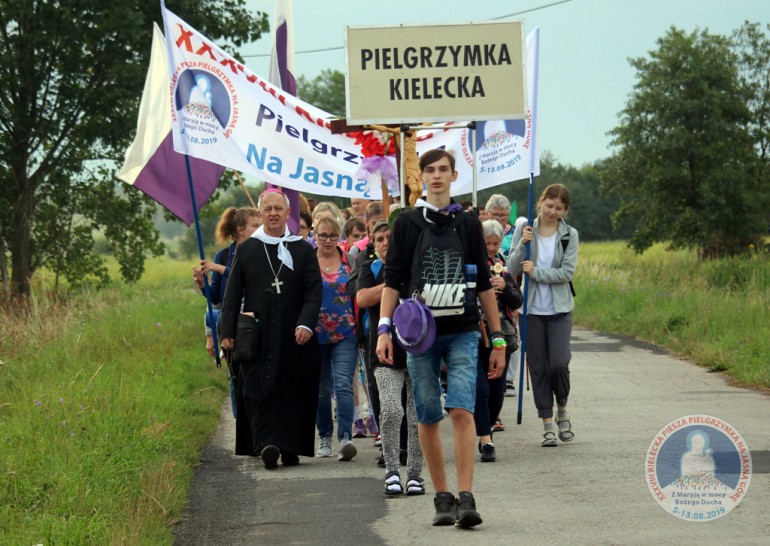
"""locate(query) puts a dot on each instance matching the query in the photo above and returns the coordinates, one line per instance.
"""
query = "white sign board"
(414, 74)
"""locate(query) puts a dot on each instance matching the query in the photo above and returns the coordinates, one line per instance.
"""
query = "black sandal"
(393, 484)
(415, 486)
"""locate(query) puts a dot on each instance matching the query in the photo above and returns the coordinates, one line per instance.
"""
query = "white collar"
(283, 253)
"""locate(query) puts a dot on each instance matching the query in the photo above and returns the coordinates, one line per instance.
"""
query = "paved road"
(591, 491)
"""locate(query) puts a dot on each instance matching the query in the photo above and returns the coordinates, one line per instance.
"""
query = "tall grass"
(714, 312)
(105, 403)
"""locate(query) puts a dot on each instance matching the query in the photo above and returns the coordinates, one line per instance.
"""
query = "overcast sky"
(585, 77)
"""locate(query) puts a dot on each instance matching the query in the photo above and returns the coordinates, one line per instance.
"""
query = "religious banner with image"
(226, 114)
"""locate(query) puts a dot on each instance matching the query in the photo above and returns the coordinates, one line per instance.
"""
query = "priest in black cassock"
(276, 276)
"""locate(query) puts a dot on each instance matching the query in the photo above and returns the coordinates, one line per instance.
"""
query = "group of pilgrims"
(317, 326)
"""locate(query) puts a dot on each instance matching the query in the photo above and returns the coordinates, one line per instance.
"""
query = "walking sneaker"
(325, 448)
(359, 429)
(347, 450)
(371, 426)
(270, 456)
(487, 453)
(498, 426)
(445, 508)
(510, 390)
(467, 516)
(377, 441)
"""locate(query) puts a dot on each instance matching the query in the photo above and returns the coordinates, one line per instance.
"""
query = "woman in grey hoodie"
(550, 267)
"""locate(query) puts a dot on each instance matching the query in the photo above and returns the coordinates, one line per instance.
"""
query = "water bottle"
(470, 289)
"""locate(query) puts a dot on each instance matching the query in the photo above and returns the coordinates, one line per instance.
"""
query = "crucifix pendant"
(277, 284)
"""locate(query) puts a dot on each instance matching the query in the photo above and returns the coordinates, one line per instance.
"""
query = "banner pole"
(472, 142)
(526, 297)
(402, 174)
(206, 290)
(530, 207)
(243, 186)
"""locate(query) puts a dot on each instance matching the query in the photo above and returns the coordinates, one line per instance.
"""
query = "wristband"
(385, 321)
(499, 344)
(497, 334)
(384, 329)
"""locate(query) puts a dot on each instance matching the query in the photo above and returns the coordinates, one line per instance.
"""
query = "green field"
(107, 398)
(715, 313)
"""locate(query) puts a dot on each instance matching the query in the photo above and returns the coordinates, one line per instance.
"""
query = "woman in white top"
(552, 263)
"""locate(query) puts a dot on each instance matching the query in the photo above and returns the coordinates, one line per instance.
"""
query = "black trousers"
(490, 393)
(548, 358)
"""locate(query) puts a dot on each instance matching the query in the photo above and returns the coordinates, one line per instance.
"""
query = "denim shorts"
(460, 352)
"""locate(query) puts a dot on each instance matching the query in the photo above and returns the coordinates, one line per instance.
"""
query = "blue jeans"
(460, 352)
(338, 364)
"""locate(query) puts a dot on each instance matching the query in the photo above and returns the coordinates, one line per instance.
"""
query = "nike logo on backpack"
(444, 299)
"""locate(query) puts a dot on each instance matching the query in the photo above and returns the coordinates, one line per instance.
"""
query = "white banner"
(223, 112)
(504, 149)
(226, 114)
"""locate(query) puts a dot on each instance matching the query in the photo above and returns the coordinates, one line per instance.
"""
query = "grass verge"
(105, 404)
(713, 312)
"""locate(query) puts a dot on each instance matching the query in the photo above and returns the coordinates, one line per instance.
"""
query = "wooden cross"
(412, 184)
(277, 285)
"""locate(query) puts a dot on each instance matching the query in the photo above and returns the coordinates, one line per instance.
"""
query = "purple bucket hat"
(414, 325)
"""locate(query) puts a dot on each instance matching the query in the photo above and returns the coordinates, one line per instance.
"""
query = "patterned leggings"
(548, 357)
(390, 383)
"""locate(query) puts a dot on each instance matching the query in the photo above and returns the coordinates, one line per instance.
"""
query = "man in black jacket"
(456, 342)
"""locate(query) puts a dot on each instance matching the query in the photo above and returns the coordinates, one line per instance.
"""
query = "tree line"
(688, 164)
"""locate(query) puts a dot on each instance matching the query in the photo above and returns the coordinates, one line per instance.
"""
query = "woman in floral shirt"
(336, 331)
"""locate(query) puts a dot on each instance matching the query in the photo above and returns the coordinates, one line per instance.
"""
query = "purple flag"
(282, 75)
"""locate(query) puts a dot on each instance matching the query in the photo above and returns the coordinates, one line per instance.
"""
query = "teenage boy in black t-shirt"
(456, 342)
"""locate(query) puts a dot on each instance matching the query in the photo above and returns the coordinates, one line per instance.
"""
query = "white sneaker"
(510, 390)
(325, 449)
(347, 450)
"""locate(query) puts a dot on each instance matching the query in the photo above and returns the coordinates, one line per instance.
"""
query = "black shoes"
(467, 516)
(487, 453)
(445, 509)
(460, 511)
(270, 456)
(289, 459)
